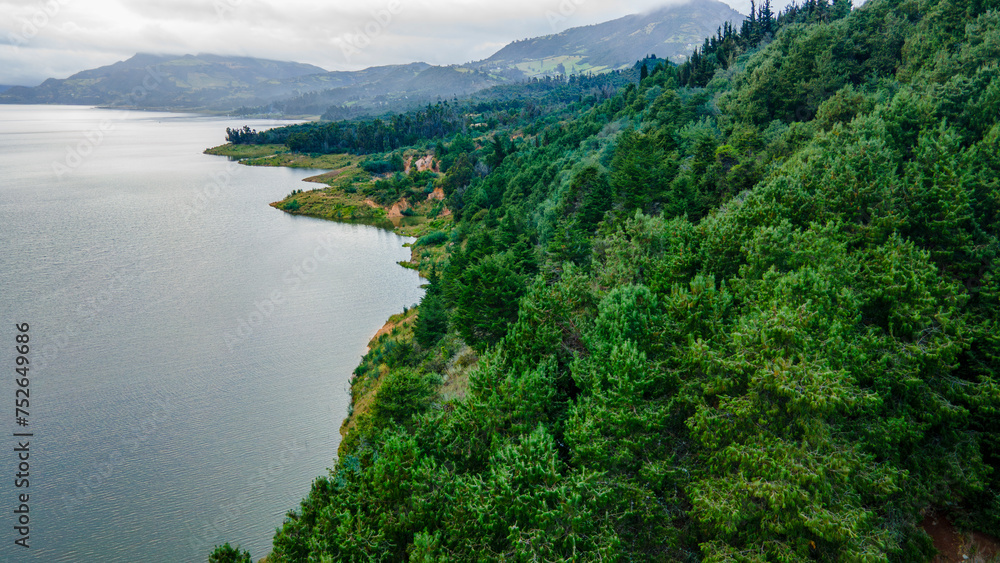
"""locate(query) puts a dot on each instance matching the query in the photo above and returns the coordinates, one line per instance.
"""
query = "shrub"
(432, 239)
(229, 554)
(404, 394)
(377, 166)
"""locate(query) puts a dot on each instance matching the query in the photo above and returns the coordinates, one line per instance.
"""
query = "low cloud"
(56, 38)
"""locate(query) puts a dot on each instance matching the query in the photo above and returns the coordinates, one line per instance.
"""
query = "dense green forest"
(744, 309)
(499, 106)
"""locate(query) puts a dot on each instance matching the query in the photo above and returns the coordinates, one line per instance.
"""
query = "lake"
(190, 346)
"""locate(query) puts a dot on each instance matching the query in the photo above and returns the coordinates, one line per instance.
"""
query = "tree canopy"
(745, 310)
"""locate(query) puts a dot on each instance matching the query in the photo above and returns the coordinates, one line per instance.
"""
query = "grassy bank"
(388, 373)
(349, 194)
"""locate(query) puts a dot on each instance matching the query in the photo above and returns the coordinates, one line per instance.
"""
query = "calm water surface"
(191, 346)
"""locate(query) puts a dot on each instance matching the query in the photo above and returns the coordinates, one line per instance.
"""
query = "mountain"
(4, 87)
(383, 89)
(216, 83)
(259, 86)
(170, 82)
(671, 32)
(754, 322)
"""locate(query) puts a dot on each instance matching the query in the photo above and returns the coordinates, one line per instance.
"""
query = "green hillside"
(250, 86)
(744, 310)
(670, 32)
(215, 83)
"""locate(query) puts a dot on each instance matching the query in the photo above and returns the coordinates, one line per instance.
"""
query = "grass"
(548, 65)
(342, 197)
(334, 205)
(456, 375)
(450, 357)
(279, 155)
(298, 160)
(423, 257)
(241, 152)
(398, 328)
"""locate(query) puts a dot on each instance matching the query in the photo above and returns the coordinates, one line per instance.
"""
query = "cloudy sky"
(55, 38)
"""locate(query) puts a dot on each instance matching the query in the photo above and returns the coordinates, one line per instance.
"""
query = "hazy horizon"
(58, 38)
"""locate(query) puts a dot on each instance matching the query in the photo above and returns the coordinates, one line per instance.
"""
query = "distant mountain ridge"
(170, 82)
(239, 67)
(218, 83)
(248, 85)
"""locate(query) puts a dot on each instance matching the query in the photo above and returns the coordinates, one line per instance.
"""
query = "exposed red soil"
(957, 547)
(423, 164)
(437, 194)
(394, 212)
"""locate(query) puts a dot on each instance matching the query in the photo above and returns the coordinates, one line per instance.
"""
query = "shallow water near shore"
(191, 346)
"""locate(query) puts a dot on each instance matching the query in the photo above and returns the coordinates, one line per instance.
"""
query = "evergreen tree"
(228, 554)
(755, 321)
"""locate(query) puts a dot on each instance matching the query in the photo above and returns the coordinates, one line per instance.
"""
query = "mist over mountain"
(743, 308)
(671, 32)
(248, 86)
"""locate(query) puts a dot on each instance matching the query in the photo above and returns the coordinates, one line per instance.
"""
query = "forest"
(744, 309)
(499, 106)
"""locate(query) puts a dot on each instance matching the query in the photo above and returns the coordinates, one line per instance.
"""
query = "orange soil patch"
(427, 163)
(423, 164)
(386, 329)
(363, 402)
(389, 326)
(956, 547)
(394, 212)
(397, 209)
(438, 194)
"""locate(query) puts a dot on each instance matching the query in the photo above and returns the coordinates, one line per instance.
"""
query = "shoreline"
(190, 111)
(272, 156)
(341, 196)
